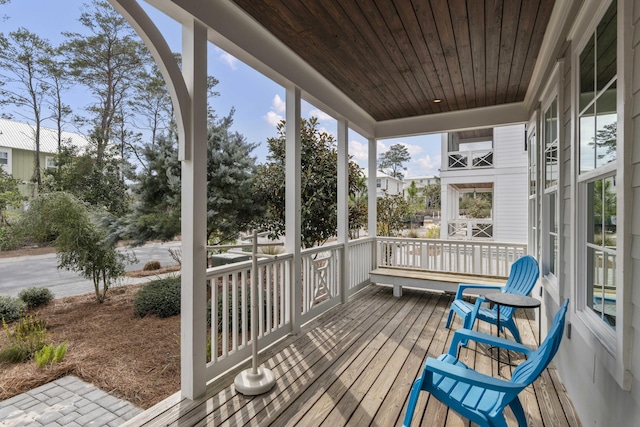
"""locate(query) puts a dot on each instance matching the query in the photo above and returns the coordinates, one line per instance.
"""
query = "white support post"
(293, 201)
(194, 215)
(372, 199)
(343, 205)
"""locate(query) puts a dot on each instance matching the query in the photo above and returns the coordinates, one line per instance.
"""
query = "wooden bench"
(426, 279)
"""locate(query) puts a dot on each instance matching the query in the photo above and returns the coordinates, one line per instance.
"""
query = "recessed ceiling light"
(437, 101)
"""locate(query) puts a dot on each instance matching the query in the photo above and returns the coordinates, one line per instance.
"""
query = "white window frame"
(533, 204)
(7, 168)
(609, 346)
(548, 279)
(47, 160)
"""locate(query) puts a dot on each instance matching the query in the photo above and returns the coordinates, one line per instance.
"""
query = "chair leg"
(413, 399)
(450, 318)
(518, 411)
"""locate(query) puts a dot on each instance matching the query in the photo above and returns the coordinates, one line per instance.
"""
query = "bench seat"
(427, 279)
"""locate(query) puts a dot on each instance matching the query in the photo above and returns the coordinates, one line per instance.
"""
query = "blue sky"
(258, 101)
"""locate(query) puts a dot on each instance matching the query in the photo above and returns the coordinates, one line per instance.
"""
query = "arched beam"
(161, 53)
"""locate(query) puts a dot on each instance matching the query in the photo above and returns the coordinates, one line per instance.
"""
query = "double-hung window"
(550, 199)
(597, 172)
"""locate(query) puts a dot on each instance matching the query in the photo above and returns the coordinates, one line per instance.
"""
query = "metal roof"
(21, 136)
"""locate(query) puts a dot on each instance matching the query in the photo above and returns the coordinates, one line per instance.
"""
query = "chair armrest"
(464, 286)
(462, 335)
(471, 377)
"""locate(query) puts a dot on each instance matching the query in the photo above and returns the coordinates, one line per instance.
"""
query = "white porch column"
(194, 215)
(372, 199)
(343, 205)
(293, 201)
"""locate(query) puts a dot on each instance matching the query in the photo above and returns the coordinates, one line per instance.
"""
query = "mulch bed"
(133, 358)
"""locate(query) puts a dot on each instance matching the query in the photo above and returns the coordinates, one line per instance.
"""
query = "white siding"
(510, 207)
(508, 146)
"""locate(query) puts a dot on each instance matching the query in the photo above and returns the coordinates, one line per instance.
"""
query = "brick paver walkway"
(67, 401)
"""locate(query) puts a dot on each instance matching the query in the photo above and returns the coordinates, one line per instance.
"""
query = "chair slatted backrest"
(522, 278)
(537, 362)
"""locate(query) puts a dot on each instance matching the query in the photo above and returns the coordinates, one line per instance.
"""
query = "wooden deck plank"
(355, 366)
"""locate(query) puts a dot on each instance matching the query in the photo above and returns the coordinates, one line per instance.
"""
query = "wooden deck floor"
(354, 366)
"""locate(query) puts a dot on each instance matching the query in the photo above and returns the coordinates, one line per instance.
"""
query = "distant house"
(387, 183)
(484, 184)
(422, 181)
(17, 150)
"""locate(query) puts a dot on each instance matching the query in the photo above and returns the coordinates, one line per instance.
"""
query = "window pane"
(551, 123)
(609, 212)
(587, 138)
(606, 127)
(4, 158)
(602, 293)
(552, 200)
(551, 166)
(587, 59)
(606, 36)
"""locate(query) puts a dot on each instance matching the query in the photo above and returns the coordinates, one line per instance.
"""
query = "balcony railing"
(470, 159)
(328, 275)
(483, 258)
(476, 229)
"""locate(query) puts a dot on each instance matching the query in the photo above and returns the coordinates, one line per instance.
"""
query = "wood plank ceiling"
(396, 58)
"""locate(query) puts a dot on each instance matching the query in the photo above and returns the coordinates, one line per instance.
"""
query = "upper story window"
(4, 158)
(378, 183)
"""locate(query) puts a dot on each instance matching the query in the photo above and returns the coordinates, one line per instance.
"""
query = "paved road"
(42, 271)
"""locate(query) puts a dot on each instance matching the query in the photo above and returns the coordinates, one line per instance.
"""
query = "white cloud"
(426, 165)
(321, 115)
(273, 118)
(359, 151)
(228, 59)
(278, 104)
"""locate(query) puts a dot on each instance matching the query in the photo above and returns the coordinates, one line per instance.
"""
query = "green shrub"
(50, 354)
(35, 297)
(28, 336)
(10, 309)
(152, 266)
(160, 297)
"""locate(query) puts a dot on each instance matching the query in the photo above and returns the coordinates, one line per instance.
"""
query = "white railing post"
(343, 207)
(293, 200)
(372, 200)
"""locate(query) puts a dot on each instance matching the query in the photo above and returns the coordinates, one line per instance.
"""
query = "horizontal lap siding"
(510, 191)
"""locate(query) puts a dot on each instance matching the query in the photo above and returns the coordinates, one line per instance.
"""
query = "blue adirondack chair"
(522, 278)
(481, 398)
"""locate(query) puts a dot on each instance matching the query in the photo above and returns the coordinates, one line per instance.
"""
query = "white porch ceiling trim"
(474, 118)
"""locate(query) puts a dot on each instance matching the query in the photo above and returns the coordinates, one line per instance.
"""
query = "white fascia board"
(232, 30)
(474, 118)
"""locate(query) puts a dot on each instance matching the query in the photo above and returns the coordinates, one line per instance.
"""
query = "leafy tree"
(392, 162)
(358, 206)
(82, 245)
(432, 194)
(392, 211)
(606, 142)
(58, 74)
(23, 61)
(318, 184)
(80, 174)
(10, 196)
(477, 205)
(107, 62)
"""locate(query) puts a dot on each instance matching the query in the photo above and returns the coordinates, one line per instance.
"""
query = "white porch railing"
(230, 296)
(470, 257)
(470, 159)
(322, 275)
(470, 229)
